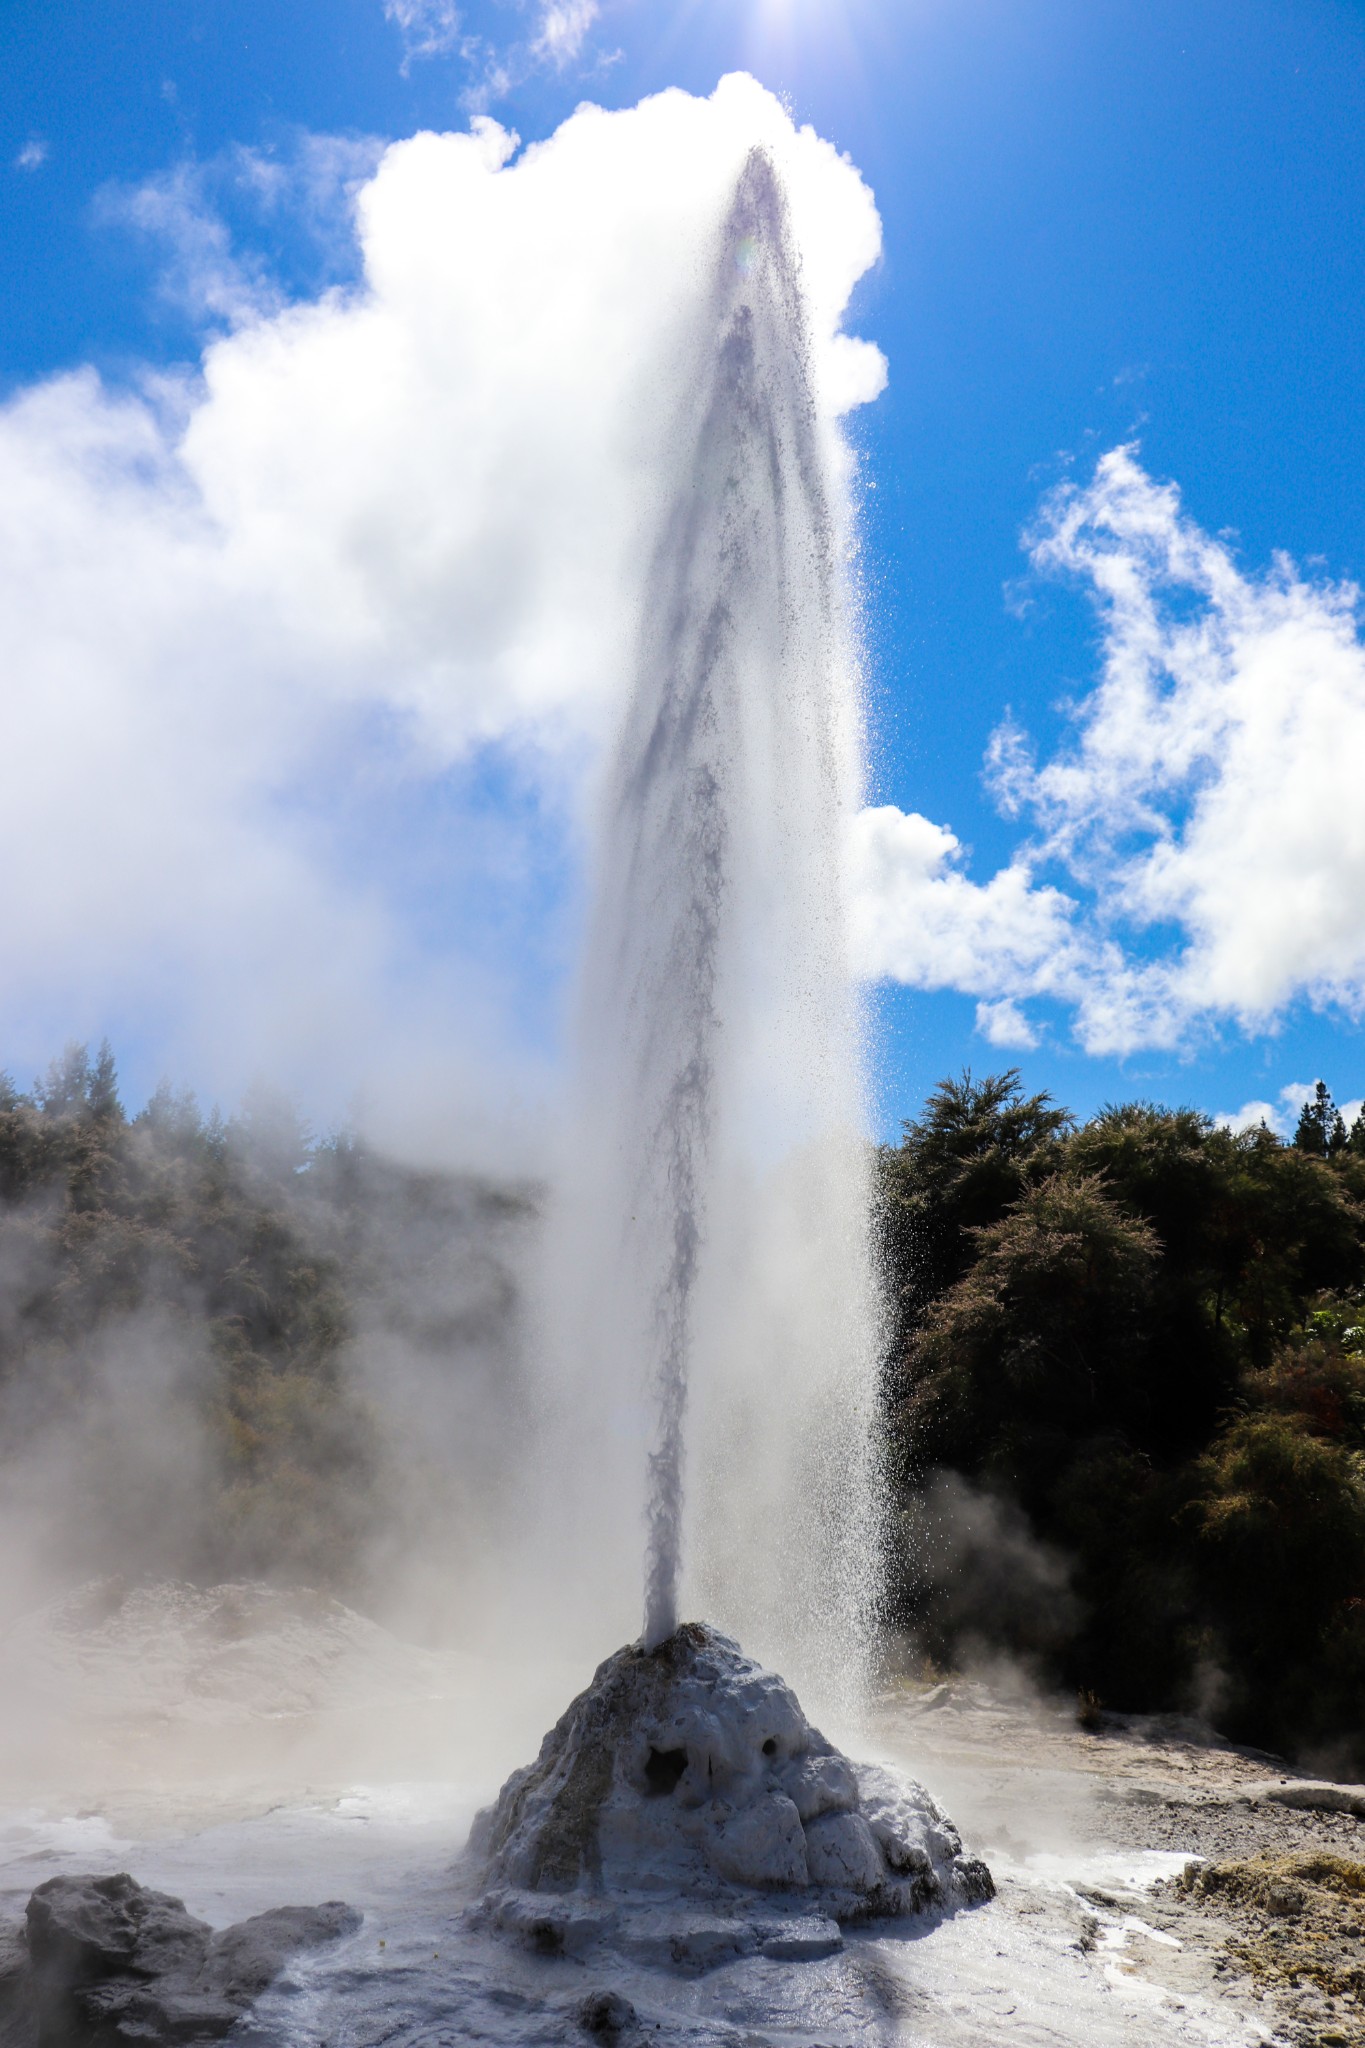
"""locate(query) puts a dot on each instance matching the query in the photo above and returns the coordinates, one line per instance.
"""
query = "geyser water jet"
(683, 1809)
(717, 1212)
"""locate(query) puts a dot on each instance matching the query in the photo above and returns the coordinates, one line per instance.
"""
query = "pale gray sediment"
(1090, 1942)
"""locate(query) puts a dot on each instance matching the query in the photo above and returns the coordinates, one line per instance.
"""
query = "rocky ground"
(100, 1962)
(238, 1749)
(1261, 1910)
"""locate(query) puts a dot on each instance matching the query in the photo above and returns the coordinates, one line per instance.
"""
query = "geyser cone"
(713, 1231)
(687, 1772)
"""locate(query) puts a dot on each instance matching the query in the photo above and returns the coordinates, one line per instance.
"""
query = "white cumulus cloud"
(918, 919)
(1206, 820)
(204, 271)
(1004, 1024)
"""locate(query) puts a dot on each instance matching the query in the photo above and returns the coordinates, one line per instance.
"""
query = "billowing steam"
(560, 483)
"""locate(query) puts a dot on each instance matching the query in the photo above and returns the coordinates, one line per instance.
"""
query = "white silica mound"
(684, 1808)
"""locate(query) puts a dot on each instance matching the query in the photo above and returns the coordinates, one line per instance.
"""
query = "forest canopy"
(1125, 1402)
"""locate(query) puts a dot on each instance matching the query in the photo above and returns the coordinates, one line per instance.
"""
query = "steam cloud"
(395, 549)
(369, 544)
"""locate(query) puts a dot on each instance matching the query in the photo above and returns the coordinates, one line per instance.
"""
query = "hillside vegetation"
(1126, 1405)
(229, 1349)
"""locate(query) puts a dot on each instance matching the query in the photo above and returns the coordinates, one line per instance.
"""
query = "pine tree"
(102, 1093)
(1320, 1128)
(65, 1087)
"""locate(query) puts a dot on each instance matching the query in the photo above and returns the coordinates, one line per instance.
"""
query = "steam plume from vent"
(720, 1047)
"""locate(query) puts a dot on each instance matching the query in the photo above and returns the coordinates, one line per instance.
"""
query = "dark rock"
(246, 1959)
(105, 1962)
(978, 1886)
(18, 2013)
(82, 1929)
(605, 2015)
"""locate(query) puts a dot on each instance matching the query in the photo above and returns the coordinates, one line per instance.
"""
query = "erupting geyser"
(720, 1029)
(712, 1271)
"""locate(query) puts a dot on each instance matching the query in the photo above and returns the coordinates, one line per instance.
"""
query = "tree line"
(1131, 1351)
(235, 1301)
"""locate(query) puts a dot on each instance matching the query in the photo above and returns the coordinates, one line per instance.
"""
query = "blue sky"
(1101, 226)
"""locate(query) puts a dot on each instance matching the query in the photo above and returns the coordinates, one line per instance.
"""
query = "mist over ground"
(233, 1352)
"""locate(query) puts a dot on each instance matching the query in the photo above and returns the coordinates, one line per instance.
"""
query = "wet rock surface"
(684, 1811)
(18, 2013)
(104, 1961)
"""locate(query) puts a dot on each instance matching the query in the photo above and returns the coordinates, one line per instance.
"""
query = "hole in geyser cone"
(663, 1769)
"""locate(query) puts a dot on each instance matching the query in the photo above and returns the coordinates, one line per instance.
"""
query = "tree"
(102, 1096)
(1318, 1376)
(1036, 1348)
(65, 1087)
(1151, 1359)
(1296, 1229)
(171, 1117)
(976, 1149)
(1031, 1378)
(1279, 1520)
(237, 1277)
(1180, 1173)
(1321, 1128)
(271, 1134)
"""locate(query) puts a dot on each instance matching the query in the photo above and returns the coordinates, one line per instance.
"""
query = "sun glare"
(785, 42)
(835, 33)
